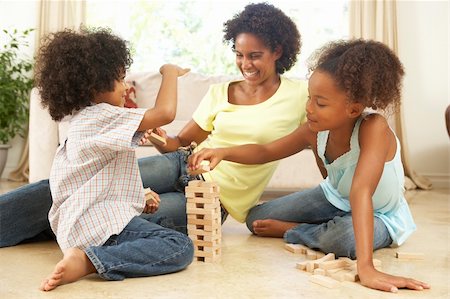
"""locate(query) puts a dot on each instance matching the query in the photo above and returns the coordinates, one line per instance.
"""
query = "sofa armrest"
(43, 139)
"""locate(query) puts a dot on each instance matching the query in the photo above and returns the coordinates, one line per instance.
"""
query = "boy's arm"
(165, 107)
(256, 153)
(376, 144)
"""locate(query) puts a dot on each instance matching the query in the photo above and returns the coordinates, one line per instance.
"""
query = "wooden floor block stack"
(204, 220)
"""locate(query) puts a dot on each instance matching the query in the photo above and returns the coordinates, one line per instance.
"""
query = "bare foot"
(272, 227)
(74, 265)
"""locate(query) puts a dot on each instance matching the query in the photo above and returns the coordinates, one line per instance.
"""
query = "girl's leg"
(307, 206)
(336, 235)
(23, 214)
(142, 249)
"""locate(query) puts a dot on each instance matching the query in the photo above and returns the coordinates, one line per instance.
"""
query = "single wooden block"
(213, 243)
(324, 281)
(301, 265)
(328, 257)
(199, 170)
(202, 211)
(149, 198)
(319, 271)
(208, 222)
(156, 139)
(202, 199)
(213, 216)
(410, 255)
(207, 238)
(200, 205)
(296, 248)
(332, 264)
(311, 254)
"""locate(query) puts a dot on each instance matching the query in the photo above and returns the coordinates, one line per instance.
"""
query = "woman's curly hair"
(368, 71)
(73, 67)
(272, 26)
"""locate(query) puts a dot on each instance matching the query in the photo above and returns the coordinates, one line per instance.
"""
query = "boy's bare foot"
(272, 227)
(74, 265)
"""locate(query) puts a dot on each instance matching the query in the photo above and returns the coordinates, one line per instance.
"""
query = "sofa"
(296, 172)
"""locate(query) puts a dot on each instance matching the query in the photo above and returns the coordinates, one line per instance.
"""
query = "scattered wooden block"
(324, 281)
(296, 248)
(328, 265)
(410, 255)
(311, 254)
(156, 139)
(326, 258)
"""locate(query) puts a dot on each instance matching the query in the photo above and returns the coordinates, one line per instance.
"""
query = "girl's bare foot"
(74, 265)
(272, 227)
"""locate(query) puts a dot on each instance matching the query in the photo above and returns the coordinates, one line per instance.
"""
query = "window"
(189, 32)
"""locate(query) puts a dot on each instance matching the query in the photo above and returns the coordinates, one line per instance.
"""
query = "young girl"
(360, 205)
(95, 183)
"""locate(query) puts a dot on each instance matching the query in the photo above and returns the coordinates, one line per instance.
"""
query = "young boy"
(95, 182)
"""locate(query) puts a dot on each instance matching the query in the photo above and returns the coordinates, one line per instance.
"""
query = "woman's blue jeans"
(142, 249)
(322, 225)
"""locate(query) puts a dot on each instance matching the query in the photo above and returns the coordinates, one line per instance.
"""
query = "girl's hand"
(214, 156)
(372, 278)
(173, 68)
(152, 201)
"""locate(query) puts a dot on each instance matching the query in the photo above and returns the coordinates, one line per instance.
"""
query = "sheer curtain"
(52, 16)
(377, 20)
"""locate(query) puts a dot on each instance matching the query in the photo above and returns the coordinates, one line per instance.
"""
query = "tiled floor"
(251, 267)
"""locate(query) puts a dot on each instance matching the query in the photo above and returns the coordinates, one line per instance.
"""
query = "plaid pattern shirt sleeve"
(95, 181)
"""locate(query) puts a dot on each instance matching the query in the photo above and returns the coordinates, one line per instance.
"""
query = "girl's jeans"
(142, 249)
(322, 225)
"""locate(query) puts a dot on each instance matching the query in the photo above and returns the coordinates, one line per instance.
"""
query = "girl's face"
(328, 107)
(115, 97)
(254, 59)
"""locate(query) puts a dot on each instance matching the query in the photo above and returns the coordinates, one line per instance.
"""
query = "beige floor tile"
(251, 267)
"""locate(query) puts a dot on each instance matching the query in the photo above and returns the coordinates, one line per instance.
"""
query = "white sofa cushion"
(297, 171)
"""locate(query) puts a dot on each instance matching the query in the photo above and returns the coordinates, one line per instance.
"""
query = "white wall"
(21, 15)
(423, 33)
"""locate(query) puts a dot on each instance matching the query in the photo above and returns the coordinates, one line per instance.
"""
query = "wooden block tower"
(204, 219)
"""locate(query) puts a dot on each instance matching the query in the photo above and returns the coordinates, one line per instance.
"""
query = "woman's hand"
(152, 201)
(173, 68)
(214, 156)
(374, 279)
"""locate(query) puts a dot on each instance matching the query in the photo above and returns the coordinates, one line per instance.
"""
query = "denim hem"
(97, 263)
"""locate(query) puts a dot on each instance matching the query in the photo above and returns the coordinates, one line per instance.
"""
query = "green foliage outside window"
(15, 85)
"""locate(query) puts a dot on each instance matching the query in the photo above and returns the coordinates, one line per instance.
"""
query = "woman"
(262, 107)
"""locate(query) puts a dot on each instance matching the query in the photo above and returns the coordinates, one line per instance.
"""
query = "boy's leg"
(142, 249)
(171, 212)
(307, 206)
(23, 213)
(336, 235)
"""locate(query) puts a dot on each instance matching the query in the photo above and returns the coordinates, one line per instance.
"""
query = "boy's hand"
(152, 201)
(372, 278)
(173, 68)
(214, 156)
(146, 138)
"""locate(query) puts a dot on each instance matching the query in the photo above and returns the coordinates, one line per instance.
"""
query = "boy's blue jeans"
(322, 225)
(142, 249)
(24, 211)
